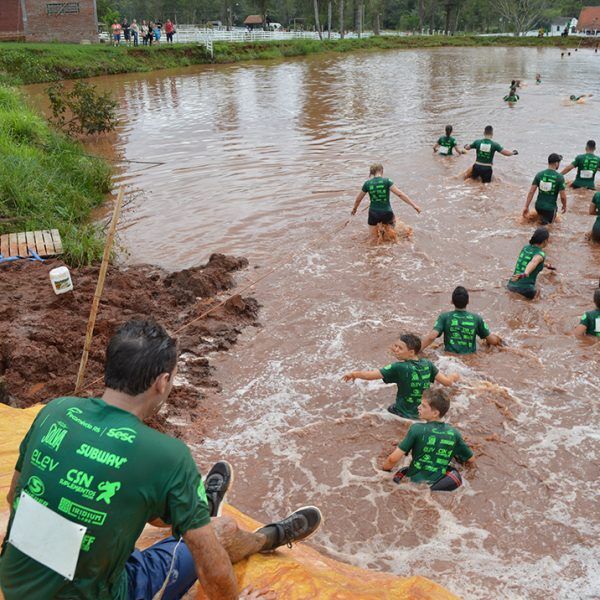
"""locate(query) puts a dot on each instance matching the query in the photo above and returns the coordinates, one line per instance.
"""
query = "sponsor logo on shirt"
(35, 486)
(125, 434)
(73, 413)
(42, 461)
(101, 456)
(55, 435)
(81, 513)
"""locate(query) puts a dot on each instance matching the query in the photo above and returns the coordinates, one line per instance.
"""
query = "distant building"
(252, 21)
(47, 20)
(558, 25)
(589, 19)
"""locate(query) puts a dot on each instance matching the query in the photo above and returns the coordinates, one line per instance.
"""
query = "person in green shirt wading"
(486, 148)
(589, 323)
(411, 374)
(460, 327)
(587, 166)
(432, 445)
(549, 183)
(92, 474)
(380, 210)
(529, 265)
(595, 210)
(447, 144)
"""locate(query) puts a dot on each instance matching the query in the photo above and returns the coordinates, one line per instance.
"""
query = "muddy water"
(263, 160)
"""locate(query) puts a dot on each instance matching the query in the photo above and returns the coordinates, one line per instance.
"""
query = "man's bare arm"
(358, 200)
(429, 339)
(567, 169)
(390, 462)
(580, 331)
(10, 496)
(367, 375)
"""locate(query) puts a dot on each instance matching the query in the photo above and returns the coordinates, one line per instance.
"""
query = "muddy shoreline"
(43, 334)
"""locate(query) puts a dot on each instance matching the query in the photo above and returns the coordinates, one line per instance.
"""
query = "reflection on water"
(261, 159)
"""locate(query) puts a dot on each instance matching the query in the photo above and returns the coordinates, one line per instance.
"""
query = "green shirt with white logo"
(432, 446)
(412, 377)
(549, 183)
(460, 329)
(591, 320)
(486, 148)
(378, 189)
(587, 167)
(596, 202)
(446, 144)
(101, 467)
(524, 259)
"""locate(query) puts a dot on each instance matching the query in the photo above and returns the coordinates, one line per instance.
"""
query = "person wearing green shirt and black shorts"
(589, 324)
(548, 184)
(446, 145)
(460, 327)
(432, 445)
(380, 210)
(93, 475)
(529, 265)
(410, 374)
(595, 210)
(486, 148)
(587, 166)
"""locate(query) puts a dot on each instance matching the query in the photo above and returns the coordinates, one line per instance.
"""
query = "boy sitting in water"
(411, 374)
(433, 445)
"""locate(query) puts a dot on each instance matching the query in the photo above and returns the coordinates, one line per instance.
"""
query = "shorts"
(483, 172)
(448, 483)
(117, 37)
(528, 291)
(546, 216)
(127, 36)
(381, 216)
(147, 570)
(596, 232)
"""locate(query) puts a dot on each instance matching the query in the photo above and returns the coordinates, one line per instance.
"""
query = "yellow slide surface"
(297, 574)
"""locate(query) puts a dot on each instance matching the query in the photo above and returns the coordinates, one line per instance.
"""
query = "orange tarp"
(301, 573)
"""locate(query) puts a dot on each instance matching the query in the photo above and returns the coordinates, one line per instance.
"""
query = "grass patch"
(46, 181)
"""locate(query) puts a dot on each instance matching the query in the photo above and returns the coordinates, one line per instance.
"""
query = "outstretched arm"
(529, 199)
(568, 168)
(428, 339)
(392, 460)
(367, 375)
(533, 263)
(358, 200)
(405, 198)
(506, 152)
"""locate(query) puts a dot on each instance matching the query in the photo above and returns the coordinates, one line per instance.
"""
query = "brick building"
(49, 20)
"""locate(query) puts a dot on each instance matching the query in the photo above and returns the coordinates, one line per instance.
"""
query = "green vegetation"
(46, 181)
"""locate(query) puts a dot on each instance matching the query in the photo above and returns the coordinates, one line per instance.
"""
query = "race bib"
(46, 536)
(485, 147)
(444, 150)
(546, 186)
(597, 324)
(586, 174)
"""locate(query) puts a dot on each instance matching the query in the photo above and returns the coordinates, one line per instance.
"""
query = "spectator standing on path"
(156, 31)
(116, 29)
(150, 34)
(144, 33)
(126, 31)
(135, 32)
(169, 30)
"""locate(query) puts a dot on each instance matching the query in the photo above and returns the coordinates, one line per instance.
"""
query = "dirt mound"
(43, 334)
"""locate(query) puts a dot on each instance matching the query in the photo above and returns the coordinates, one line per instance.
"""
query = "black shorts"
(381, 216)
(546, 216)
(483, 172)
(596, 232)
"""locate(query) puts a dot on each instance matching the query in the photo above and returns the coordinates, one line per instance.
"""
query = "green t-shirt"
(549, 183)
(486, 148)
(591, 320)
(596, 201)
(587, 166)
(378, 189)
(460, 329)
(432, 446)
(412, 377)
(524, 259)
(446, 144)
(101, 467)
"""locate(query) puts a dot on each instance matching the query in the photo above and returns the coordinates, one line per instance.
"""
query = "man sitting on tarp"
(90, 475)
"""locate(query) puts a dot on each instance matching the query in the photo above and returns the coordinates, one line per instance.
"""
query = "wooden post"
(98, 293)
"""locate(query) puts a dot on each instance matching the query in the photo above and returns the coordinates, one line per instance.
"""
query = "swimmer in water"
(486, 148)
(548, 184)
(380, 209)
(433, 445)
(587, 166)
(529, 265)
(595, 210)
(446, 144)
(460, 327)
(579, 99)
(410, 373)
(589, 323)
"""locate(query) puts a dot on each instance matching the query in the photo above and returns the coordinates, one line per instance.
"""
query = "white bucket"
(61, 280)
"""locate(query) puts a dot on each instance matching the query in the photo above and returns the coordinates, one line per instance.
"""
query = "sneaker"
(300, 525)
(216, 483)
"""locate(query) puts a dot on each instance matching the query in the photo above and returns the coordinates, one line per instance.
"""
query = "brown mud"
(43, 334)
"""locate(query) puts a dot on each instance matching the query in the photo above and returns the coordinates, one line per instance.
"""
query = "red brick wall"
(10, 17)
(42, 27)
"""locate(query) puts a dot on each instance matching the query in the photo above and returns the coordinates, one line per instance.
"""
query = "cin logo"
(125, 434)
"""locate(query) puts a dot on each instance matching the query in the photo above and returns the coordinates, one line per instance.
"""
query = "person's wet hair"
(375, 168)
(489, 130)
(597, 298)
(591, 145)
(448, 130)
(136, 355)
(540, 235)
(460, 297)
(438, 400)
(412, 341)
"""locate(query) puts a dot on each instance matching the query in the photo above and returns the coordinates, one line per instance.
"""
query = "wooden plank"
(22, 241)
(4, 245)
(57, 241)
(13, 249)
(39, 243)
(48, 242)
(30, 240)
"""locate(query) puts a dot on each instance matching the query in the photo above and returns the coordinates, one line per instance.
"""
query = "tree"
(341, 19)
(317, 23)
(523, 14)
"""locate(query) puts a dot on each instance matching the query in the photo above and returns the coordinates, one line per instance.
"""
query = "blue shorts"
(148, 569)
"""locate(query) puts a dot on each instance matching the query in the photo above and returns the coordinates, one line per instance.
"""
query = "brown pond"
(263, 161)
